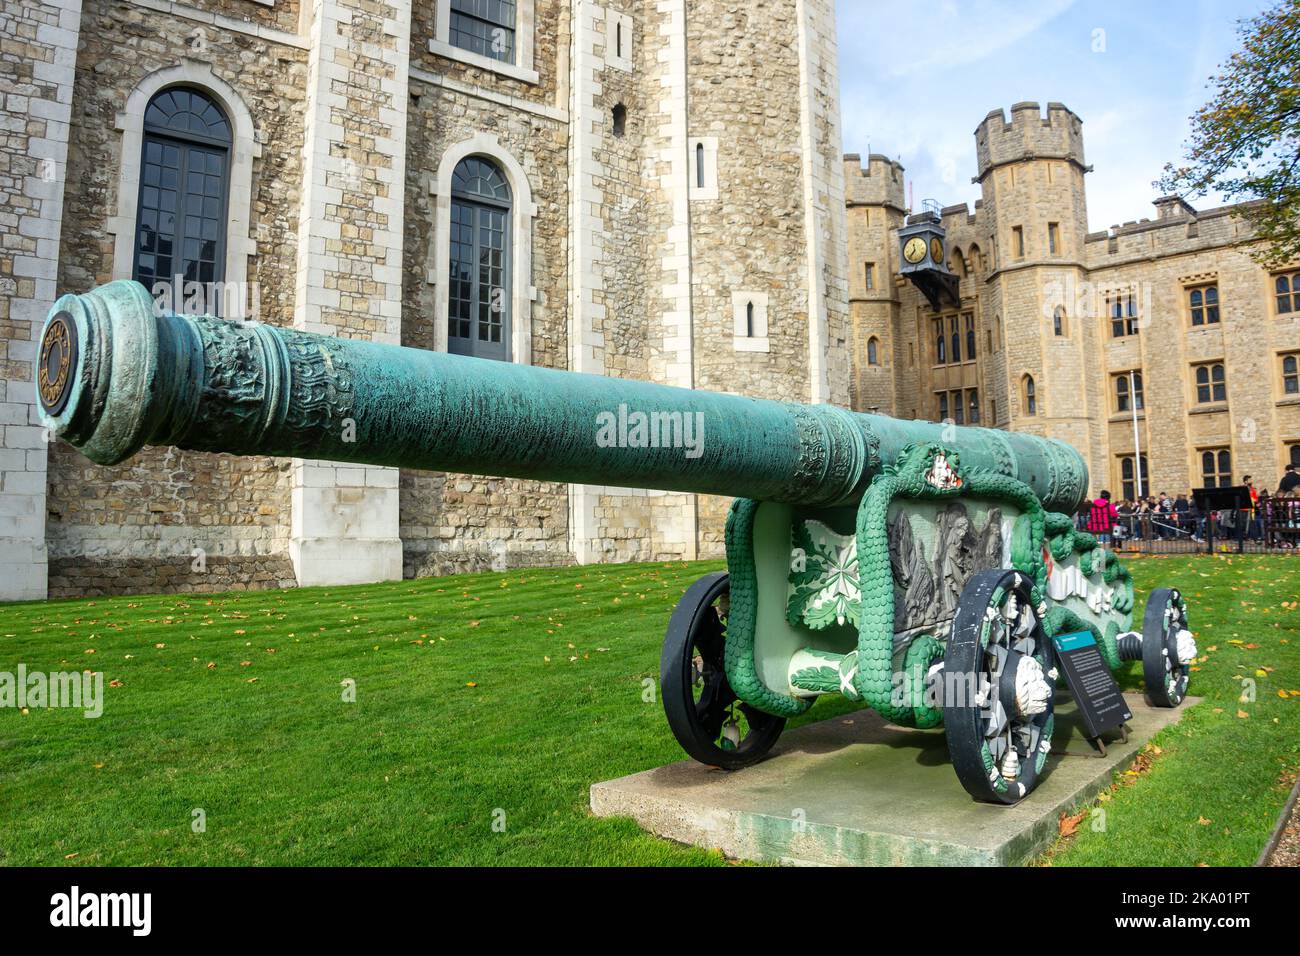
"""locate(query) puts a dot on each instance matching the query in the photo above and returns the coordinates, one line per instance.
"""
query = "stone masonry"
(673, 167)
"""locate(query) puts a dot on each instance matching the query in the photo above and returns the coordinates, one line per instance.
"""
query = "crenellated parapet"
(878, 182)
(1029, 135)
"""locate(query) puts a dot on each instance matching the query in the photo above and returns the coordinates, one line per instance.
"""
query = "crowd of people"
(1271, 517)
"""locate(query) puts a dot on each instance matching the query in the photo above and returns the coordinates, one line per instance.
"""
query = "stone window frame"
(1222, 475)
(1206, 290)
(1285, 377)
(1123, 401)
(1210, 383)
(522, 69)
(741, 304)
(244, 148)
(1291, 279)
(1028, 396)
(707, 147)
(618, 26)
(520, 270)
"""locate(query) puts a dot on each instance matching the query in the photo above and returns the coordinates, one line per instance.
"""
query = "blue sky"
(917, 78)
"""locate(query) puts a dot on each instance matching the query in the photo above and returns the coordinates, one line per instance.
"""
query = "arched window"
(1216, 468)
(1283, 286)
(1031, 397)
(940, 343)
(478, 314)
(184, 183)
(749, 319)
(873, 351)
(699, 165)
(955, 350)
(1291, 374)
(620, 119)
(1058, 320)
(968, 320)
(1210, 384)
(1204, 305)
(975, 261)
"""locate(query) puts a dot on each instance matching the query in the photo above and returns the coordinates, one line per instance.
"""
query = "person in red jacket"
(1101, 518)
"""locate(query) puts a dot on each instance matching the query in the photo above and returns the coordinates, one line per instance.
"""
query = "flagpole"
(1137, 442)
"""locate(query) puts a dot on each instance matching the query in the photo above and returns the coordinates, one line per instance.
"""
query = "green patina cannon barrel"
(115, 374)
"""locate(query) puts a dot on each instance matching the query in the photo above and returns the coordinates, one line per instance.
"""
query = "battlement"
(1028, 135)
(880, 182)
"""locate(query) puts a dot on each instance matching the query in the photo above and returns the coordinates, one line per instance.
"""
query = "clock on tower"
(922, 248)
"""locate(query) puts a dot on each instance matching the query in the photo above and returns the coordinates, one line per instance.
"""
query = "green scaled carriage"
(933, 600)
(921, 569)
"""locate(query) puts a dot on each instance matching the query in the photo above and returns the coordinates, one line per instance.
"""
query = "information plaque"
(1102, 705)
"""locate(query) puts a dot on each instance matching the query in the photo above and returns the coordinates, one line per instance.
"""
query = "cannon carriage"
(919, 568)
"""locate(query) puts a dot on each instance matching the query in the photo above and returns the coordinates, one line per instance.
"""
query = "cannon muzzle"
(115, 374)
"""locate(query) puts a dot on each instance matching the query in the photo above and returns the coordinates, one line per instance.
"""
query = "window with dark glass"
(1286, 292)
(1128, 392)
(1122, 310)
(1031, 398)
(184, 181)
(940, 343)
(968, 320)
(873, 351)
(1295, 455)
(1216, 468)
(1204, 305)
(1210, 384)
(943, 406)
(1291, 374)
(954, 353)
(1128, 481)
(1058, 320)
(485, 27)
(973, 406)
(478, 313)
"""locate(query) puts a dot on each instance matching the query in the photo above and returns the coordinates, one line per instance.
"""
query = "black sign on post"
(1100, 702)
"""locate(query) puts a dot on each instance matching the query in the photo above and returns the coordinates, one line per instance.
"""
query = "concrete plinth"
(858, 791)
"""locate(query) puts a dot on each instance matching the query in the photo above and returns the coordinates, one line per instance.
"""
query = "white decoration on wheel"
(1186, 647)
(1032, 690)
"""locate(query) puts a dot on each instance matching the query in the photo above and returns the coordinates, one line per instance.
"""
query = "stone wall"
(38, 43)
(150, 515)
(460, 522)
(346, 115)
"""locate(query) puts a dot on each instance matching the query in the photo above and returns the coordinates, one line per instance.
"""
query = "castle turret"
(1031, 174)
(874, 193)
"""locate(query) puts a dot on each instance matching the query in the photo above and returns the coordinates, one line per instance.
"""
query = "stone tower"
(874, 195)
(1031, 174)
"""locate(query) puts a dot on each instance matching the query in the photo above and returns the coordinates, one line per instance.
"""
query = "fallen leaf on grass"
(115, 682)
(1242, 714)
(1203, 822)
(1069, 825)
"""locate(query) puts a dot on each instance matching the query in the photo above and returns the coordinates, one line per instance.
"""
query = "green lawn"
(499, 698)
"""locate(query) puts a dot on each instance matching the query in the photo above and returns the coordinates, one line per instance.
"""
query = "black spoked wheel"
(708, 720)
(1168, 648)
(997, 690)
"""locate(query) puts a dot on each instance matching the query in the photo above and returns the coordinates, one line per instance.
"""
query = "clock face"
(914, 250)
(936, 250)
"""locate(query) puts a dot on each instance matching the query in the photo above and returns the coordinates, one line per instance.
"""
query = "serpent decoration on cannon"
(918, 568)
